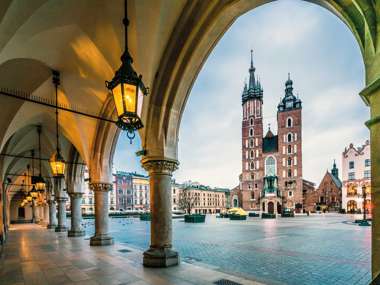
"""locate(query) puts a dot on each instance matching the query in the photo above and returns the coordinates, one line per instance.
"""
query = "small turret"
(335, 171)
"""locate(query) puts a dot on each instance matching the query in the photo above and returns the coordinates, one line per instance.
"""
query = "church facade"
(271, 178)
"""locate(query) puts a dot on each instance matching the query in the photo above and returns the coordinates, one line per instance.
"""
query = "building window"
(252, 165)
(252, 176)
(367, 174)
(290, 137)
(270, 166)
(251, 121)
(251, 132)
(289, 122)
(367, 162)
(351, 165)
(290, 193)
(289, 149)
(252, 154)
(252, 195)
(289, 161)
(251, 143)
(351, 176)
(289, 173)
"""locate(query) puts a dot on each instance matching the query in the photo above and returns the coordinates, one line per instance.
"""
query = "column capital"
(61, 199)
(160, 165)
(100, 186)
(75, 195)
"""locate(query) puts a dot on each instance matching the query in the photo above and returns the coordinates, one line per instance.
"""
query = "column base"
(160, 257)
(51, 227)
(101, 240)
(60, 229)
(72, 233)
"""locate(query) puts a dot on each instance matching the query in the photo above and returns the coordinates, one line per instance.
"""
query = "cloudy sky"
(292, 36)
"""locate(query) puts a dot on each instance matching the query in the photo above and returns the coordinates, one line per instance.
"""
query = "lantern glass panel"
(118, 98)
(129, 97)
(57, 167)
(29, 198)
(140, 99)
(40, 186)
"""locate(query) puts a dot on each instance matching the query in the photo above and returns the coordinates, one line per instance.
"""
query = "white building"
(356, 174)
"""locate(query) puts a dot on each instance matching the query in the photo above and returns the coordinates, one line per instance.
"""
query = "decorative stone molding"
(75, 195)
(163, 166)
(101, 187)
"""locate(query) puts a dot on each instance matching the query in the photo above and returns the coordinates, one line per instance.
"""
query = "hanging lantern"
(29, 198)
(40, 184)
(57, 164)
(127, 90)
(33, 193)
(39, 181)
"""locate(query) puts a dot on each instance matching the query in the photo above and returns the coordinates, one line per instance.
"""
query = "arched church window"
(251, 121)
(251, 143)
(289, 149)
(289, 173)
(270, 166)
(289, 122)
(252, 165)
(251, 132)
(251, 154)
(289, 161)
(290, 137)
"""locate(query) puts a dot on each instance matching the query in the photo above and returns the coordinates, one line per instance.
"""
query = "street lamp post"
(364, 222)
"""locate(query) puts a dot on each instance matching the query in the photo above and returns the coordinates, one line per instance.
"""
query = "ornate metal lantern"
(33, 193)
(39, 181)
(127, 90)
(57, 163)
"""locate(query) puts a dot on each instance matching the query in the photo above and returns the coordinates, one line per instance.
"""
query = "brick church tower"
(252, 137)
(271, 179)
(289, 121)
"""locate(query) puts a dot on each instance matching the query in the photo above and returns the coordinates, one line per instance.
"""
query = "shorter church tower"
(289, 121)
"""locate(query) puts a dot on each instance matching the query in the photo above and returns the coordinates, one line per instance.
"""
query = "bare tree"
(186, 200)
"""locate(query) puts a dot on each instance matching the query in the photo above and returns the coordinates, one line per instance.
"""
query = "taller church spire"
(254, 91)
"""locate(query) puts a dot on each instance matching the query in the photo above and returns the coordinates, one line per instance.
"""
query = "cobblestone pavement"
(324, 249)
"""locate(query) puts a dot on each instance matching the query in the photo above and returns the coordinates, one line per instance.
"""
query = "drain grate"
(226, 282)
(124, 250)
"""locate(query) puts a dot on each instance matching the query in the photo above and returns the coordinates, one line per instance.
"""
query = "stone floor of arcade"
(34, 255)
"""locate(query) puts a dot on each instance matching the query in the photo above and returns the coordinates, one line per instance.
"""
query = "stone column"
(61, 198)
(52, 214)
(160, 253)
(101, 236)
(46, 214)
(34, 212)
(371, 95)
(76, 215)
(61, 227)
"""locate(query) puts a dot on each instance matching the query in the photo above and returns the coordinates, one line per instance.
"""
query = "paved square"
(324, 249)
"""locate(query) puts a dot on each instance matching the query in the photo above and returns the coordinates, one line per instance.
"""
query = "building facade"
(356, 174)
(132, 191)
(196, 198)
(328, 195)
(271, 178)
(88, 198)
